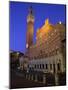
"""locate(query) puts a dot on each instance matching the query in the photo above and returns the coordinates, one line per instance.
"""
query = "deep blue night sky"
(18, 16)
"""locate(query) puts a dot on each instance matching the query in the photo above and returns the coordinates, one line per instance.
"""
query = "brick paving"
(20, 82)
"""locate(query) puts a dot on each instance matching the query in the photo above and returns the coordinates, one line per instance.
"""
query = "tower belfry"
(30, 10)
(30, 28)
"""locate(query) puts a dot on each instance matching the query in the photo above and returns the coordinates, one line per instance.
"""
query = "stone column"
(36, 78)
(44, 79)
(29, 77)
(56, 79)
(56, 75)
(61, 62)
(52, 68)
(48, 67)
(32, 77)
(62, 65)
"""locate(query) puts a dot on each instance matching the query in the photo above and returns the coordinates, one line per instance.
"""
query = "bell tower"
(30, 28)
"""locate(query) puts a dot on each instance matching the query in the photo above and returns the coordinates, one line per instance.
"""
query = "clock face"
(27, 45)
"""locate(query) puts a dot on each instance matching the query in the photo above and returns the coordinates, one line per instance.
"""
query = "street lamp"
(17, 53)
(60, 22)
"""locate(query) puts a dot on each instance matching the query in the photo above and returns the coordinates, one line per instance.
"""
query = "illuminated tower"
(30, 28)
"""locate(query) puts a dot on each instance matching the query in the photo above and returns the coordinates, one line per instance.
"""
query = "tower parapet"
(30, 17)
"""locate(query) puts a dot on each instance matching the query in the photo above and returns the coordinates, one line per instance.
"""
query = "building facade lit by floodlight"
(49, 48)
